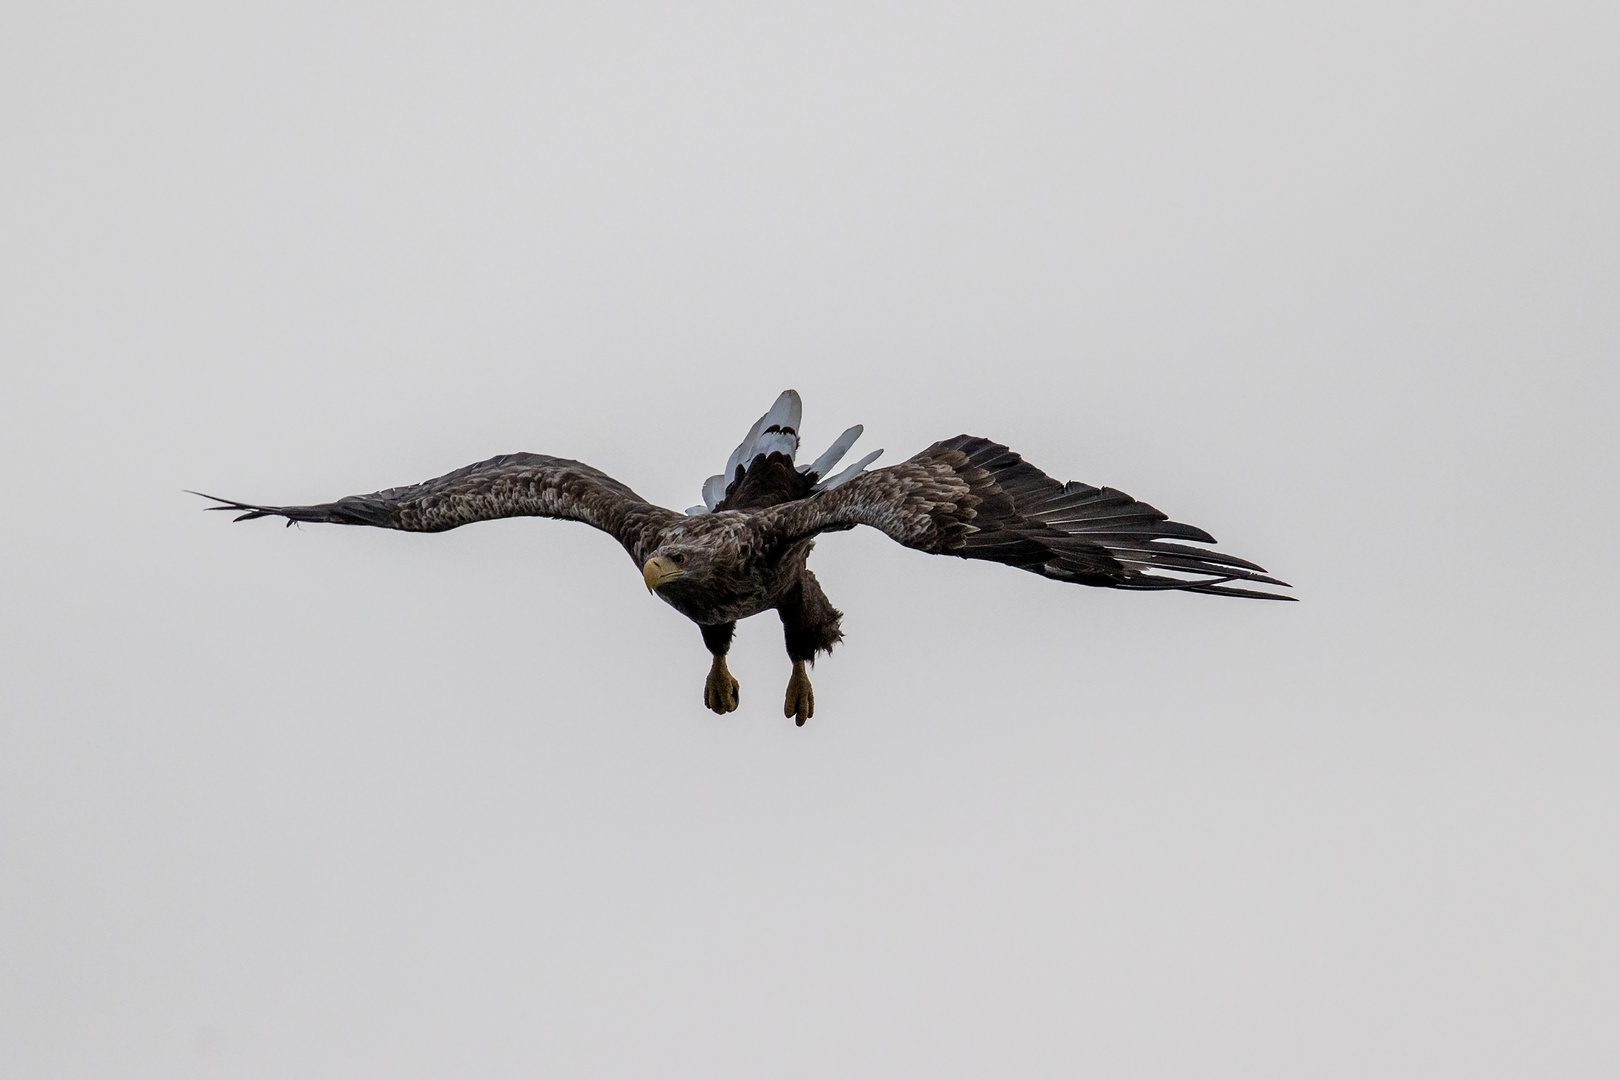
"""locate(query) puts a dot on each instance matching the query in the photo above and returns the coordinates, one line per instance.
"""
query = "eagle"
(744, 550)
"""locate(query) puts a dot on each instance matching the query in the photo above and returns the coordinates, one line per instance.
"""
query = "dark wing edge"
(976, 499)
(510, 485)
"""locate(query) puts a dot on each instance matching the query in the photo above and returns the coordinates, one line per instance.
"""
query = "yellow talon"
(801, 699)
(721, 692)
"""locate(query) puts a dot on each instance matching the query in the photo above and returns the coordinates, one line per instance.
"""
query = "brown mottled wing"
(512, 485)
(977, 499)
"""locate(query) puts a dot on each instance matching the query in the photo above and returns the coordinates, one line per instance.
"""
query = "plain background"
(1336, 282)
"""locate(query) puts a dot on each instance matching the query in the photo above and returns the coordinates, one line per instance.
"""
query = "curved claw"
(721, 692)
(800, 704)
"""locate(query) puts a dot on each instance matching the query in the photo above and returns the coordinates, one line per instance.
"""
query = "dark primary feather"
(977, 499)
(511, 485)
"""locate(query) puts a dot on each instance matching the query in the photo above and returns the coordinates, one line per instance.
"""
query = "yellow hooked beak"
(659, 570)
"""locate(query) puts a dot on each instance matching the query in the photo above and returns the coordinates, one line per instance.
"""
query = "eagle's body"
(745, 550)
(742, 576)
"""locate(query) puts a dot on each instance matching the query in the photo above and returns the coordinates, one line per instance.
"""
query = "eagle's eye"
(679, 557)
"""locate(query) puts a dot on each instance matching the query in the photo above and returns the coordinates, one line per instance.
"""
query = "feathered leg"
(720, 691)
(810, 624)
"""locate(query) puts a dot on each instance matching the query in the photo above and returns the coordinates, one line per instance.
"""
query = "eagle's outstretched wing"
(511, 485)
(976, 499)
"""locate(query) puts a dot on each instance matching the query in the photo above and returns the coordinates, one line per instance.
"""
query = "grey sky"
(1338, 285)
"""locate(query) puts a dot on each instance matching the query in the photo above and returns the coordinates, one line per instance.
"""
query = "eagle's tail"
(777, 432)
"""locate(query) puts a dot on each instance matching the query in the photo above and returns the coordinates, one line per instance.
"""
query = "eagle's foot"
(801, 700)
(720, 692)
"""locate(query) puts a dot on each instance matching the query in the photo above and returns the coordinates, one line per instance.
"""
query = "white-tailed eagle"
(744, 550)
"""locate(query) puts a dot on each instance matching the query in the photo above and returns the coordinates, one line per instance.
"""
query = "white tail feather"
(740, 455)
(835, 453)
(848, 474)
(784, 415)
(785, 412)
(776, 442)
(714, 489)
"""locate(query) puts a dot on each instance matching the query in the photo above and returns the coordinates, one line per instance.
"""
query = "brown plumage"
(745, 550)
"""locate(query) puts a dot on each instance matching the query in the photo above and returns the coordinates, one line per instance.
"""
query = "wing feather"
(977, 499)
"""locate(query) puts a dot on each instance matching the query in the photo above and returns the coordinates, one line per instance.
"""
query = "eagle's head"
(679, 566)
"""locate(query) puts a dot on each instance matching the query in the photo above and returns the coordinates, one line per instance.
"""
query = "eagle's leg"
(809, 625)
(720, 691)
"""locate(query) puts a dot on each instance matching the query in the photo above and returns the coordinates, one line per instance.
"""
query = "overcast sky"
(1339, 283)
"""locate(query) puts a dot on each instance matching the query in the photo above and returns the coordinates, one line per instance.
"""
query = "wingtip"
(250, 512)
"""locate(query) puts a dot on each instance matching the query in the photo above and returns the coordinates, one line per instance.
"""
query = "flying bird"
(743, 551)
